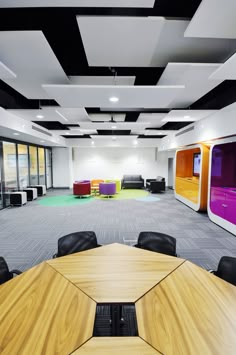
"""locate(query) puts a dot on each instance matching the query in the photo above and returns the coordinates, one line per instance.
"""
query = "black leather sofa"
(156, 185)
(132, 182)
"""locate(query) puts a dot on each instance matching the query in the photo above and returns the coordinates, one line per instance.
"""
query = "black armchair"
(227, 269)
(156, 185)
(158, 242)
(5, 274)
(76, 242)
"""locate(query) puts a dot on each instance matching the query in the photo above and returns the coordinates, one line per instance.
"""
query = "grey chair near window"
(76, 242)
(5, 274)
(158, 242)
(227, 269)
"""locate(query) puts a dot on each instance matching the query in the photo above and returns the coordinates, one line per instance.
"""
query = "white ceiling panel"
(5, 72)
(102, 80)
(213, 19)
(174, 47)
(195, 78)
(114, 126)
(30, 57)
(105, 117)
(226, 71)
(153, 119)
(187, 115)
(98, 96)
(120, 41)
(77, 3)
(62, 132)
(63, 115)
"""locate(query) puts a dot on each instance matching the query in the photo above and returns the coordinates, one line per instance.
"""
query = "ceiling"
(137, 70)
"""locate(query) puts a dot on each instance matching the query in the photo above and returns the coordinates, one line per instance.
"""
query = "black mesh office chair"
(5, 274)
(227, 269)
(76, 242)
(159, 242)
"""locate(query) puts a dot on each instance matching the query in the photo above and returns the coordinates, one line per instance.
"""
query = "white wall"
(62, 167)
(109, 163)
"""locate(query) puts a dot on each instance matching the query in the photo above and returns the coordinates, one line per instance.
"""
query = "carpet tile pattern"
(29, 234)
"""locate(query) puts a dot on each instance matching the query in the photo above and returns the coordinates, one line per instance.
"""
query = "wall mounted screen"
(196, 164)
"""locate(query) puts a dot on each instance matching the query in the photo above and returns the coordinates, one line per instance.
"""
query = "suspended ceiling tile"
(30, 57)
(105, 117)
(152, 118)
(213, 19)
(195, 78)
(77, 3)
(119, 41)
(172, 46)
(98, 96)
(187, 115)
(102, 80)
(115, 126)
(226, 71)
(5, 72)
(67, 133)
(63, 115)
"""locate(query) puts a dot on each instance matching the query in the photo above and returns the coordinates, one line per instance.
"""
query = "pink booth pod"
(82, 188)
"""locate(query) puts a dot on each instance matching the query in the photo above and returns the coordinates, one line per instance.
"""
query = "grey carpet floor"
(29, 234)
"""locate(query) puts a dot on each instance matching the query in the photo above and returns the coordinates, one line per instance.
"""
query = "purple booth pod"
(107, 188)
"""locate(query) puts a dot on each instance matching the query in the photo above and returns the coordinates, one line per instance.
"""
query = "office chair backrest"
(159, 242)
(76, 242)
(227, 269)
(5, 274)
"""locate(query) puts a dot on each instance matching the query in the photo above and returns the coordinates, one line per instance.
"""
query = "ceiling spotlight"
(40, 116)
(114, 99)
(42, 141)
(92, 142)
(67, 134)
(16, 134)
(135, 142)
(113, 127)
(186, 117)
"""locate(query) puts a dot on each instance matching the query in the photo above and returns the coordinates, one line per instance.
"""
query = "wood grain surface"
(115, 273)
(191, 312)
(116, 346)
(42, 313)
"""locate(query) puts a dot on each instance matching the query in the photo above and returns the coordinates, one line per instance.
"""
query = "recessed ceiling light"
(67, 134)
(40, 116)
(186, 117)
(135, 142)
(42, 141)
(92, 142)
(16, 134)
(114, 99)
(113, 127)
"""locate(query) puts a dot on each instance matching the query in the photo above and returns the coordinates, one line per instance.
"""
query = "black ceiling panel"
(174, 126)
(149, 137)
(76, 136)
(51, 125)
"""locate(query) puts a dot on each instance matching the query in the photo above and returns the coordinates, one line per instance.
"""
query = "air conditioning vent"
(185, 131)
(41, 131)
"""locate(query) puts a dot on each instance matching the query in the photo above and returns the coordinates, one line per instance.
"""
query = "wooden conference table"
(181, 308)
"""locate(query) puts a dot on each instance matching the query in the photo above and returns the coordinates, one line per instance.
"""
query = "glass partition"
(33, 165)
(23, 166)
(41, 157)
(49, 168)
(10, 172)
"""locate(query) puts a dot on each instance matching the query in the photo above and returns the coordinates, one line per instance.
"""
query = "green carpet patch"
(65, 200)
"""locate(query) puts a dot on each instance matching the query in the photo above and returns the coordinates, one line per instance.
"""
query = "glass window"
(49, 168)
(33, 165)
(10, 174)
(41, 166)
(23, 166)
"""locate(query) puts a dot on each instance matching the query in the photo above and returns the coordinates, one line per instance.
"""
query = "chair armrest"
(211, 271)
(15, 271)
(149, 180)
(54, 256)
